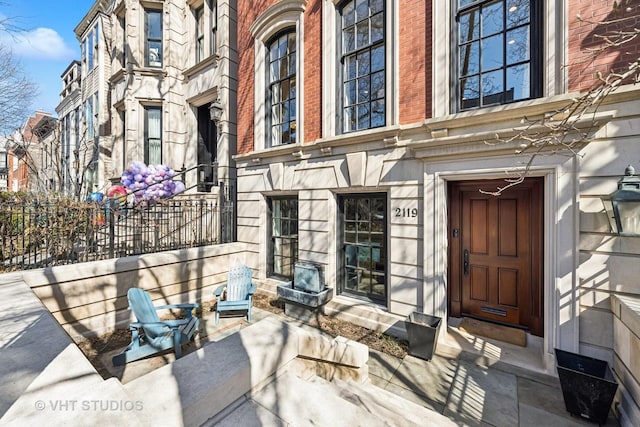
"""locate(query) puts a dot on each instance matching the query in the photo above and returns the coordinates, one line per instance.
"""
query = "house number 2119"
(407, 212)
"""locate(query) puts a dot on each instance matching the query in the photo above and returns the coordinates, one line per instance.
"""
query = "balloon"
(116, 190)
(97, 197)
(179, 187)
(148, 182)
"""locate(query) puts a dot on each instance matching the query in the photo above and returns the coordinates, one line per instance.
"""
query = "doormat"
(494, 331)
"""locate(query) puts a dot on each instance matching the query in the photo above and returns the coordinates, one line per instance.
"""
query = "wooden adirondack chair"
(237, 293)
(157, 335)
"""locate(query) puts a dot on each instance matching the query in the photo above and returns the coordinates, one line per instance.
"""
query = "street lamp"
(626, 203)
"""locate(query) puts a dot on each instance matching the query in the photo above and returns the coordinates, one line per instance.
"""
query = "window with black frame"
(498, 52)
(282, 88)
(284, 236)
(153, 41)
(363, 64)
(364, 220)
(207, 148)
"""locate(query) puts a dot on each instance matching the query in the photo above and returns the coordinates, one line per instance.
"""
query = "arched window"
(282, 88)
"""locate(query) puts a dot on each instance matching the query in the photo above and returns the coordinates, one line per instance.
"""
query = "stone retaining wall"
(626, 363)
(90, 299)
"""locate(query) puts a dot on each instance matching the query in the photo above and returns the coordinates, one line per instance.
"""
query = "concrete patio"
(276, 371)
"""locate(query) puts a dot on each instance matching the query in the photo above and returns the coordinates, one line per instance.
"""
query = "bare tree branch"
(566, 130)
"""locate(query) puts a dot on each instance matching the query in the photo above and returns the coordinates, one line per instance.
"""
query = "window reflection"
(363, 59)
(284, 236)
(494, 58)
(364, 219)
(282, 87)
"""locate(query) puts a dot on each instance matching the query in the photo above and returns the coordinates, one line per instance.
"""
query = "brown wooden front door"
(495, 253)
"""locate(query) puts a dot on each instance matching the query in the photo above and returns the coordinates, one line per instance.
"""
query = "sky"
(46, 43)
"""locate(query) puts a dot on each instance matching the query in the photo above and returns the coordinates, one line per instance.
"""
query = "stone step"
(201, 384)
(102, 403)
(389, 406)
(70, 392)
(291, 400)
(38, 359)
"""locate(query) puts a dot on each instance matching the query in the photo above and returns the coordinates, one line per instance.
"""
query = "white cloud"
(41, 43)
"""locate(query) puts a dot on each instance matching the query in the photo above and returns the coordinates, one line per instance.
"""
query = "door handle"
(466, 262)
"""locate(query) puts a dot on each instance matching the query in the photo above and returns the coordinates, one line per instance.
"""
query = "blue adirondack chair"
(157, 335)
(237, 293)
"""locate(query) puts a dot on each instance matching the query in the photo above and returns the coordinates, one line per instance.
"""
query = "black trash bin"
(422, 330)
(588, 385)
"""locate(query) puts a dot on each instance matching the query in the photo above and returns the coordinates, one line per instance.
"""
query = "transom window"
(363, 64)
(284, 236)
(498, 52)
(282, 89)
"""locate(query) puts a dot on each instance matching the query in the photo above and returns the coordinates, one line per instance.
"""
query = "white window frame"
(332, 68)
(200, 28)
(96, 43)
(209, 29)
(122, 37)
(90, 51)
(212, 5)
(282, 15)
(145, 128)
(270, 124)
(145, 37)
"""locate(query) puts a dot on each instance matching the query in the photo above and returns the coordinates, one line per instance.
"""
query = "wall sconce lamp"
(215, 110)
(626, 203)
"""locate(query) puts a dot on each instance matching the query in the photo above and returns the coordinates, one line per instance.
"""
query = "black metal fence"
(35, 234)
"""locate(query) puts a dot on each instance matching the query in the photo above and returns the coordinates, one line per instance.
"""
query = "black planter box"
(422, 330)
(588, 386)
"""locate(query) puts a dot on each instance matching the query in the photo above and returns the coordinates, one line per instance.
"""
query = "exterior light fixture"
(626, 203)
(215, 110)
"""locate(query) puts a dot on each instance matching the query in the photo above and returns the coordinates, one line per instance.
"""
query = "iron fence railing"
(35, 234)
